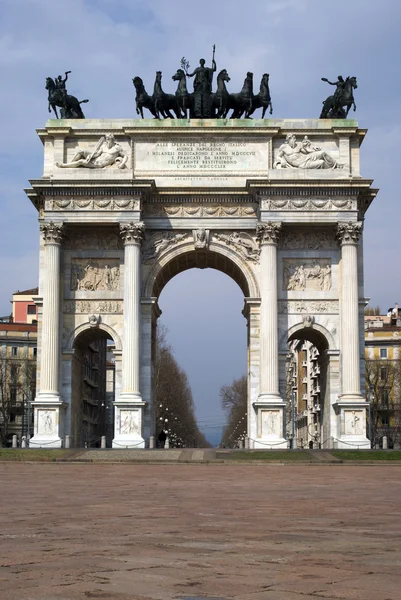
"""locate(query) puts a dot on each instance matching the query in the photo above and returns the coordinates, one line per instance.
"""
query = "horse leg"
(271, 108)
(55, 110)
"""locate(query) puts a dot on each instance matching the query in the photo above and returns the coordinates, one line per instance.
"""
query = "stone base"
(270, 423)
(128, 418)
(351, 424)
(49, 413)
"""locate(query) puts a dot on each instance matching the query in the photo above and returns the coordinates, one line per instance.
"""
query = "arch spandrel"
(318, 334)
(184, 257)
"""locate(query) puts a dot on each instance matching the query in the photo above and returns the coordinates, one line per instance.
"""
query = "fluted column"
(348, 235)
(132, 235)
(268, 235)
(49, 363)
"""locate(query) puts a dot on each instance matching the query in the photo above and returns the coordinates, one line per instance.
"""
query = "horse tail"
(83, 101)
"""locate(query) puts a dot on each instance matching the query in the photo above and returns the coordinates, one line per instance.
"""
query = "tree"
(372, 311)
(383, 390)
(234, 401)
(173, 398)
(17, 387)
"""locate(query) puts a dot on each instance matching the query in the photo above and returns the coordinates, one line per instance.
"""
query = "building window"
(31, 309)
(385, 397)
(12, 417)
(13, 394)
(383, 352)
(383, 373)
(384, 421)
(14, 351)
(35, 352)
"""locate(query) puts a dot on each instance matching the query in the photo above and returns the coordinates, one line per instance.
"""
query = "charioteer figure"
(333, 106)
(203, 88)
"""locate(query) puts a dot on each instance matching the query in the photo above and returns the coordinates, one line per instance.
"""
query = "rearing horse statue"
(70, 105)
(182, 95)
(164, 103)
(220, 100)
(242, 102)
(333, 109)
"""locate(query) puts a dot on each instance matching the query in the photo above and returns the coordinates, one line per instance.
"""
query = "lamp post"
(371, 397)
(292, 418)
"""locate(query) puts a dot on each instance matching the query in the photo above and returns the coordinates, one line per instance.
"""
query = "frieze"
(86, 239)
(304, 275)
(94, 275)
(308, 239)
(91, 307)
(92, 204)
(200, 210)
(308, 307)
(303, 155)
(308, 204)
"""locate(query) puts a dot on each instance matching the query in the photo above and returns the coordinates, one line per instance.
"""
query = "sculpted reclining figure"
(302, 155)
(106, 154)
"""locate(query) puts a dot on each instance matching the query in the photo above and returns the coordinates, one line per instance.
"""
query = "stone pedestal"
(351, 426)
(270, 406)
(128, 415)
(48, 407)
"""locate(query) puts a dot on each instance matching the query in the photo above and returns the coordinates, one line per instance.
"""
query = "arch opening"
(202, 311)
(92, 388)
(308, 389)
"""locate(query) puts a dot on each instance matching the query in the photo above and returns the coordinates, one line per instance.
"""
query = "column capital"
(268, 233)
(53, 233)
(349, 233)
(132, 233)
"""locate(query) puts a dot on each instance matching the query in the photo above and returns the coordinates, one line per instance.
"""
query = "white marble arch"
(174, 261)
(87, 327)
(329, 351)
(242, 272)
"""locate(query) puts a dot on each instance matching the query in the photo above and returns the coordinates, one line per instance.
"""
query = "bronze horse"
(70, 106)
(242, 102)
(333, 109)
(220, 100)
(261, 100)
(164, 103)
(182, 95)
(142, 98)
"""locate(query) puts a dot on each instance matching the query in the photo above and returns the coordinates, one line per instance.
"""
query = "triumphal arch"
(125, 205)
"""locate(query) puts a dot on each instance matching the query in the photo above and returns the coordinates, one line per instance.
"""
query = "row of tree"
(234, 402)
(175, 413)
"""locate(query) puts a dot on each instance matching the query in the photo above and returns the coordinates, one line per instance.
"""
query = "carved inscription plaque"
(182, 160)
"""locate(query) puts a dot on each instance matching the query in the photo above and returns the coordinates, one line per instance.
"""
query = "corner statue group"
(202, 106)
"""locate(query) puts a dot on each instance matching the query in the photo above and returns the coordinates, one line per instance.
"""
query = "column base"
(270, 422)
(351, 423)
(128, 419)
(48, 420)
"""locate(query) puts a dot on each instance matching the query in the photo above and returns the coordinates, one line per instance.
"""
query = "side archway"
(109, 332)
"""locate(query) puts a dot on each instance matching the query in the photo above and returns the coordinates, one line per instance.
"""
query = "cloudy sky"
(107, 42)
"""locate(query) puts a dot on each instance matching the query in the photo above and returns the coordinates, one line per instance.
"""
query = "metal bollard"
(385, 442)
(23, 442)
(167, 443)
(67, 441)
(247, 443)
(14, 442)
(103, 441)
(152, 442)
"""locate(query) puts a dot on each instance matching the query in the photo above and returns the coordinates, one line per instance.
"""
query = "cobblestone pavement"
(166, 531)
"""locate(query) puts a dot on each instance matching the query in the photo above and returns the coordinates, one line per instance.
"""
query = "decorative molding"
(132, 233)
(85, 238)
(268, 233)
(157, 243)
(308, 204)
(53, 233)
(306, 274)
(92, 275)
(308, 239)
(349, 233)
(308, 307)
(94, 320)
(93, 306)
(201, 238)
(93, 204)
(243, 242)
(200, 210)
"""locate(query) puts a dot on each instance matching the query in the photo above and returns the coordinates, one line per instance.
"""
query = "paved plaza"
(167, 531)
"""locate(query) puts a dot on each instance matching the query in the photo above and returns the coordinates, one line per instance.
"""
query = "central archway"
(177, 261)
